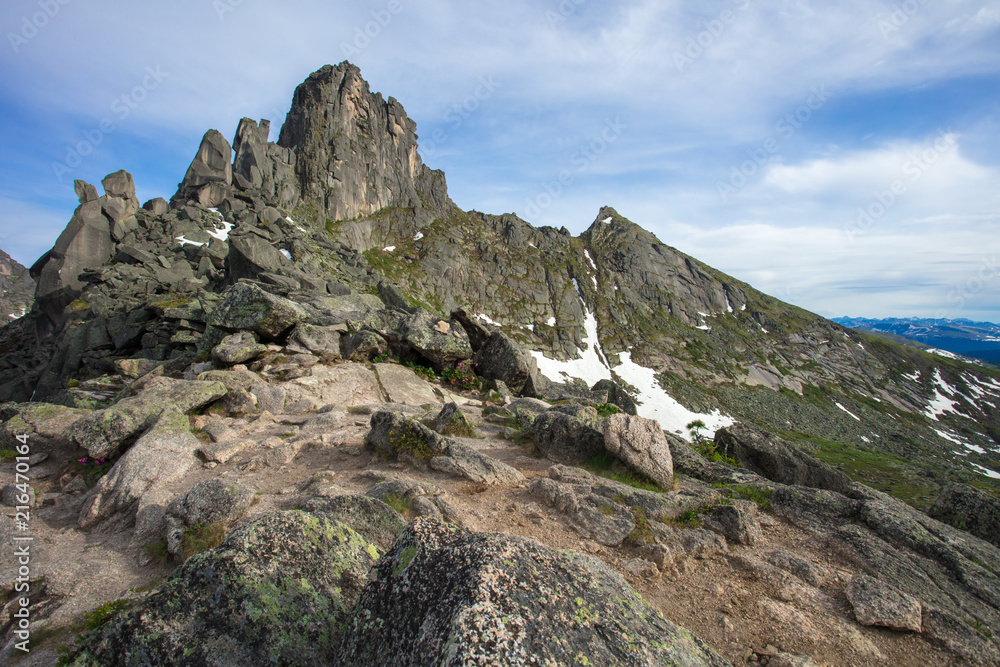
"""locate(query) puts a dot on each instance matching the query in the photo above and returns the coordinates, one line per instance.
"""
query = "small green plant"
(398, 503)
(157, 550)
(642, 533)
(71, 384)
(462, 377)
(423, 371)
(200, 538)
(979, 627)
(608, 466)
(7, 454)
(761, 496)
(409, 440)
(607, 409)
(95, 619)
(92, 469)
(381, 358)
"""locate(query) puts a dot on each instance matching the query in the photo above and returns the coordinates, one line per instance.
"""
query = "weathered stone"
(375, 521)
(568, 439)
(807, 571)
(392, 297)
(616, 396)
(246, 307)
(640, 444)
(238, 403)
(324, 342)
(85, 192)
(452, 421)
(208, 502)
(363, 346)
(501, 359)
(270, 398)
(393, 433)
(967, 508)
(878, 603)
(157, 206)
(440, 342)
(737, 522)
(250, 255)
(223, 451)
(777, 459)
(213, 163)
(436, 599)
(104, 431)
(162, 455)
(238, 348)
(46, 426)
(12, 496)
(404, 387)
(464, 461)
(278, 590)
(601, 519)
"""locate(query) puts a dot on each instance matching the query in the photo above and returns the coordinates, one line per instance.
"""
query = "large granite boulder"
(441, 342)
(640, 444)
(247, 307)
(277, 591)
(501, 359)
(250, 255)
(777, 459)
(446, 596)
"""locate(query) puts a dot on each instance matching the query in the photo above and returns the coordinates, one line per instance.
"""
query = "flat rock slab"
(343, 385)
(878, 603)
(404, 386)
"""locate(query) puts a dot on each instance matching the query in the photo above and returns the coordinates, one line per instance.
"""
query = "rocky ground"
(761, 583)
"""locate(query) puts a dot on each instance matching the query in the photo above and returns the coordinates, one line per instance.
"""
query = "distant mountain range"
(980, 340)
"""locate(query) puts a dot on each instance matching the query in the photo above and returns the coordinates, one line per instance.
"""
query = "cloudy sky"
(842, 156)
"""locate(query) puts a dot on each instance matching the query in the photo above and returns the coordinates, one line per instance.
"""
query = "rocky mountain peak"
(356, 152)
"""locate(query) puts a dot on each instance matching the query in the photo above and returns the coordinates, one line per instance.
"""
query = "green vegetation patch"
(608, 466)
(201, 538)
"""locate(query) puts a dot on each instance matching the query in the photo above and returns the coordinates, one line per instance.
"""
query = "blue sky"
(842, 156)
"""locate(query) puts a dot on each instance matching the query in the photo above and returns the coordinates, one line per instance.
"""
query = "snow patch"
(940, 404)
(915, 377)
(418, 236)
(659, 405)
(589, 367)
(185, 242)
(607, 221)
(389, 248)
(729, 306)
(704, 327)
(992, 474)
(943, 353)
(552, 322)
(486, 318)
(223, 233)
(590, 259)
(532, 245)
(286, 253)
(865, 439)
(847, 411)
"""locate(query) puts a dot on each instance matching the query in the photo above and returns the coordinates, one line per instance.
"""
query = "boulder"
(250, 256)
(403, 386)
(208, 502)
(213, 163)
(640, 444)
(441, 342)
(103, 432)
(777, 459)
(238, 348)
(967, 508)
(375, 521)
(246, 307)
(464, 461)
(452, 421)
(501, 359)
(878, 603)
(324, 342)
(616, 396)
(157, 206)
(46, 426)
(270, 398)
(393, 433)
(277, 591)
(363, 346)
(593, 516)
(737, 522)
(566, 438)
(446, 596)
(85, 192)
(132, 492)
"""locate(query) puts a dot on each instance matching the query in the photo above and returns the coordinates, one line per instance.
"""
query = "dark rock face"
(17, 289)
(277, 591)
(212, 165)
(968, 508)
(568, 438)
(264, 167)
(501, 359)
(445, 596)
(356, 153)
(778, 460)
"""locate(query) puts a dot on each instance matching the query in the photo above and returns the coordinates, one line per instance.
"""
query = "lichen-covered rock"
(446, 596)
(45, 425)
(777, 459)
(738, 522)
(237, 349)
(324, 342)
(277, 591)
(616, 396)
(393, 433)
(104, 431)
(246, 307)
(452, 421)
(441, 342)
(363, 346)
(250, 256)
(967, 508)
(593, 516)
(878, 603)
(640, 444)
(566, 438)
(207, 502)
(370, 517)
